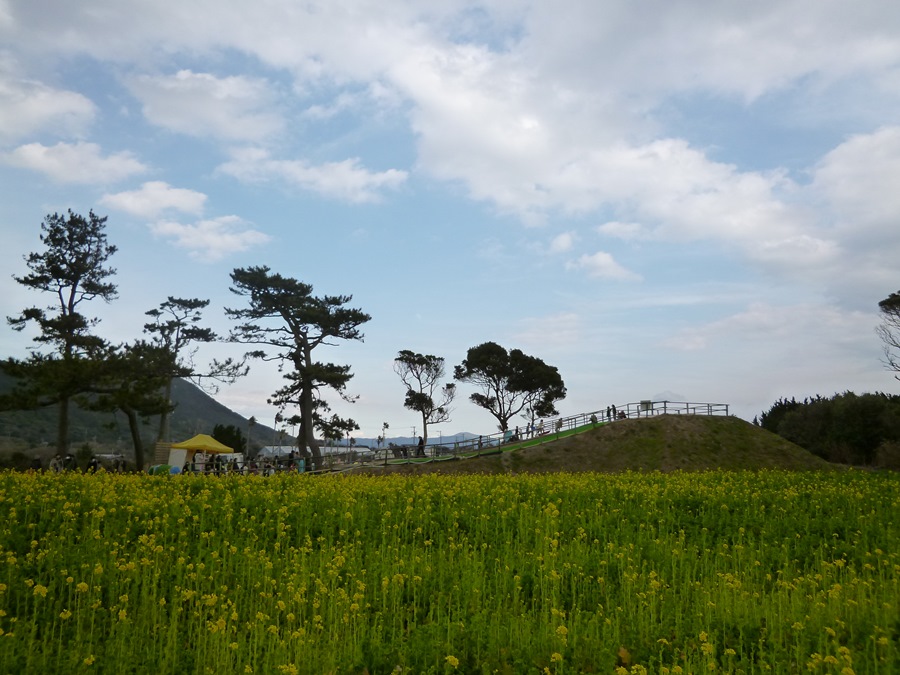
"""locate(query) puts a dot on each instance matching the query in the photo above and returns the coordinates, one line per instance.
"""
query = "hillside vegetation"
(663, 443)
(195, 412)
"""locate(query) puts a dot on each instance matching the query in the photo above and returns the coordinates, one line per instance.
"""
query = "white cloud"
(728, 48)
(29, 107)
(549, 332)
(854, 188)
(562, 243)
(211, 240)
(346, 180)
(859, 180)
(602, 265)
(624, 231)
(153, 198)
(800, 251)
(764, 325)
(199, 104)
(80, 162)
(375, 98)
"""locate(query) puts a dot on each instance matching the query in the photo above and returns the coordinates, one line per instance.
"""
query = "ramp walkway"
(534, 433)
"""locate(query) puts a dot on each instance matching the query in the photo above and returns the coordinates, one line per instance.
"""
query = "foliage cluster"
(511, 382)
(281, 321)
(889, 331)
(231, 436)
(846, 428)
(634, 573)
(70, 363)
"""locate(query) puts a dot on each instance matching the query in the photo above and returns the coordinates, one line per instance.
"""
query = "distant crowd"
(269, 466)
(68, 462)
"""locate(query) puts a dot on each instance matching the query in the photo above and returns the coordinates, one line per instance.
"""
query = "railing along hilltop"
(541, 431)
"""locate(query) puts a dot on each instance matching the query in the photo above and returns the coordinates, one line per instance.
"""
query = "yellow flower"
(89, 660)
(123, 614)
(65, 614)
(82, 587)
(40, 590)
(556, 657)
(452, 660)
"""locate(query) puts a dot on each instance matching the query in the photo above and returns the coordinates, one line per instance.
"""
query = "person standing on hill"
(420, 448)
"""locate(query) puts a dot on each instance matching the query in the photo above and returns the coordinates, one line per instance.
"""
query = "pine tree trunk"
(62, 428)
(164, 434)
(136, 440)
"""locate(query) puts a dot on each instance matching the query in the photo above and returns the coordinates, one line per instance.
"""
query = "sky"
(686, 200)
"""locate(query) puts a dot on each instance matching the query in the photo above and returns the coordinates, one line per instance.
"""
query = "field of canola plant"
(731, 572)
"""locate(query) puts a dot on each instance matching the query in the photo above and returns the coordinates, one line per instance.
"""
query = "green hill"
(662, 443)
(196, 412)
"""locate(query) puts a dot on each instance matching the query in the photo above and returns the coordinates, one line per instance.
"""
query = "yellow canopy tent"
(202, 442)
(183, 453)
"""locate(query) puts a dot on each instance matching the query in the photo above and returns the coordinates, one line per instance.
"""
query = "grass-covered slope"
(663, 443)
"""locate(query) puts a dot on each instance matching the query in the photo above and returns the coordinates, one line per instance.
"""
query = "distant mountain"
(196, 412)
(412, 440)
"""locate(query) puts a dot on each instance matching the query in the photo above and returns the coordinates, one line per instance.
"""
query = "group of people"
(218, 465)
(61, 463)
(613, 414)
(531, 431)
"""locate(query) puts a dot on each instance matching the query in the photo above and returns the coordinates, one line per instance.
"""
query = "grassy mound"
(662, 443)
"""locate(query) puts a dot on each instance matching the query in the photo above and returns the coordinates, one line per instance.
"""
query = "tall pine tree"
(287, 323)
(73, 269)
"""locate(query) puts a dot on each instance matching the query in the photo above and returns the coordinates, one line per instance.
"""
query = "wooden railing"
(537, 433)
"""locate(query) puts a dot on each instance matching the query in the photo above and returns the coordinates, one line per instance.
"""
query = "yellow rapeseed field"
(732, 572)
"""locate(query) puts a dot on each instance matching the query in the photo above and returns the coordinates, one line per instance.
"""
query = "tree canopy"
(175, 328)
(288, 323)
(846, 428)
(130, 379)
(422, 374)
(72, 268)
(889, 330)
(511, 382)
(231, 436)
